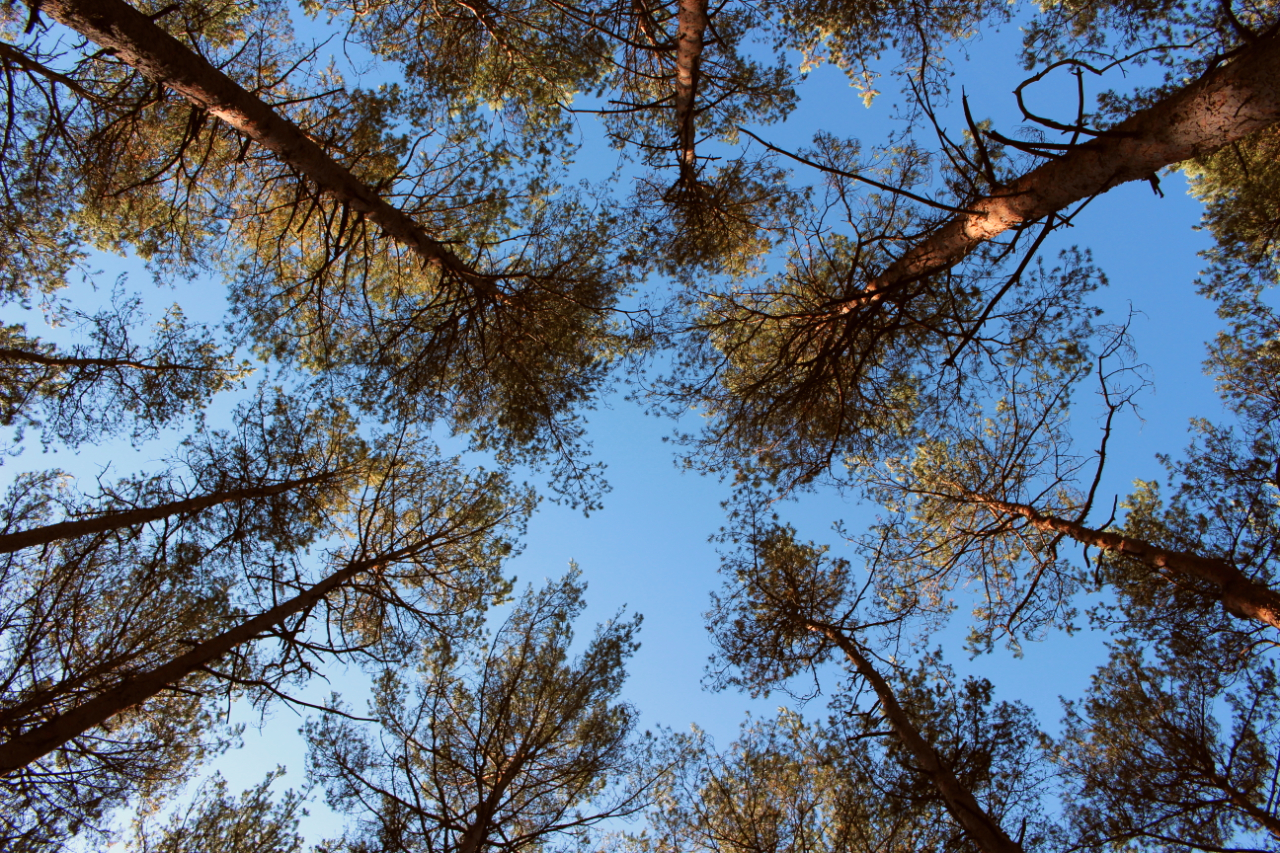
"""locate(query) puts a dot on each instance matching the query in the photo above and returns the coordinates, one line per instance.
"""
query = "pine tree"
(504, 744)
(119, 642)
(788, 608)
(252, 823)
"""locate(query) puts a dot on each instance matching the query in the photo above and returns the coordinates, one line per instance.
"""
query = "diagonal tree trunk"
(691, 30)
(136, 40)
(22, 356)
(38, 742)
(985, 833)
(36, 536)
(1241, 800)
(1228, 103)
(1239, 594)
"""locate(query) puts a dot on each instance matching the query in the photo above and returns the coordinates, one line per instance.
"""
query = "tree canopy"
(414, 245)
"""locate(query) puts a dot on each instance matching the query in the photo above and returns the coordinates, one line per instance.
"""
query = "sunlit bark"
(134, 39)
(691, 32)
(1225, 105)
(1239, 594)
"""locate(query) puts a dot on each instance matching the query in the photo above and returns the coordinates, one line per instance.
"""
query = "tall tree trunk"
(22, 356)
(478, 832)
(1239, 594)
(691, 30)
(1230, 102)
(134, 39)
(49, 533)
(38, 742)
(985, 833)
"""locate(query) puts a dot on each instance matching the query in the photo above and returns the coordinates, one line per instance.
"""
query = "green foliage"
(992, 748)
(1171, 755)
(721, 222)
(776, 592)
(857, 36)
(505, 743)
(848, 786)
(214, 820)
(508, 353)
(785, 786)
(1237, 185)
(508, 56)
(87, 615)
(110, 383)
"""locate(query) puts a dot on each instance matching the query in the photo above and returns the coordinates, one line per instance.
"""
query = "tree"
(89, 391)
(677, 75)
(507, 745)
(414, 248)
(1225, 105)
(784, 786)
(689, 75)
(846, 786)
(274, 475)
(140, 43)
(505, 340)
(1152, 760)
(253, 823)
(996, 499)
(789, 609)
(859, 342)
(119, 643)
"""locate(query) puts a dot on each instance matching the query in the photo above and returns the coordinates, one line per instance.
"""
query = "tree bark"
(475, 835)
(36, 536)
(1241, 800)
(22, 356)
(38, 742)
(1239, 594)
(134, 39)
(691, 29)
(983, 831)
(1230, 102)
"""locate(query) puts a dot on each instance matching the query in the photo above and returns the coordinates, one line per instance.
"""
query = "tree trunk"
(1230, 102)
(475, 835)
(984, 832)
(38, 742)
(1241, 800)
(1239, 594)
(49, 533)
(691, 29)
(134, 39)
(20, 356)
